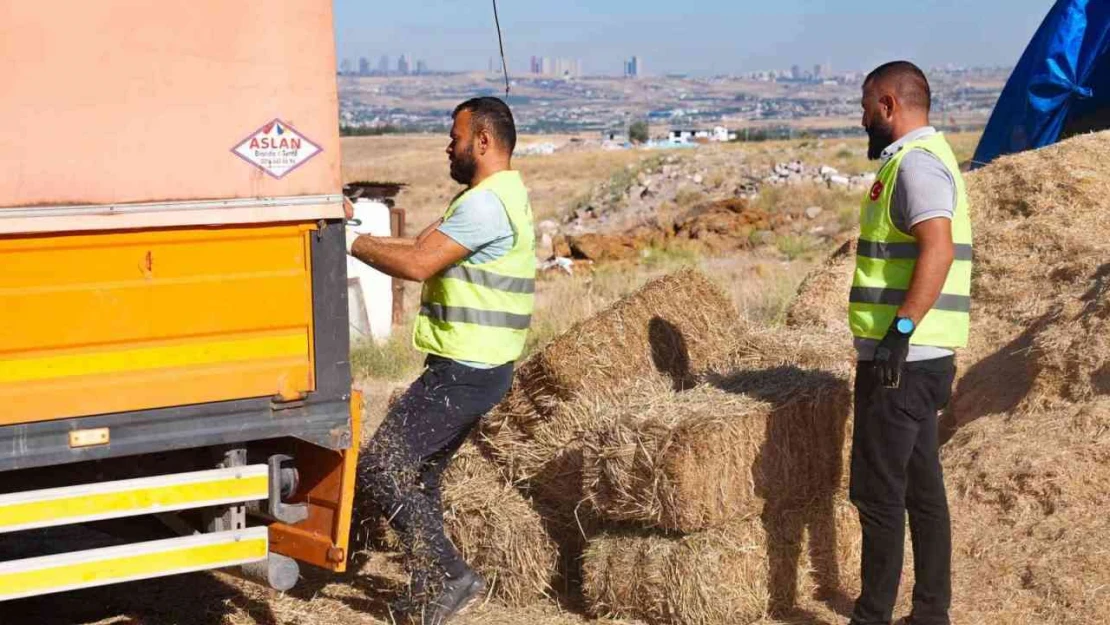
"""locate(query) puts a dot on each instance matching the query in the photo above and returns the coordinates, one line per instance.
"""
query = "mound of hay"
(735, 574)
(1042, 240)
(701, 458)
(822, 299)
(1029, 494)
(497, 530)
(1040, 231)
(1073, 352)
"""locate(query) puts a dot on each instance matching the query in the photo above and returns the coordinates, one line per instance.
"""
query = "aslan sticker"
(276, 149)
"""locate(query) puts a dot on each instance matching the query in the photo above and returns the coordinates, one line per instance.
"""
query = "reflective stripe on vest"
(872, 249)
(473, 275)
(886, 257)
(481, 312)
(895, 297)
(491, 318)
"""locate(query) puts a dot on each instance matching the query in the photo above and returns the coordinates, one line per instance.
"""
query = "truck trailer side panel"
(124, 101)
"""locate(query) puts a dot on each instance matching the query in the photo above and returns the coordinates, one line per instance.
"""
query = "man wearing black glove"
(909, 308)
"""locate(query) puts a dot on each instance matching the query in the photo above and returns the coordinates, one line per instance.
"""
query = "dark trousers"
(406, 459)
(896, 469)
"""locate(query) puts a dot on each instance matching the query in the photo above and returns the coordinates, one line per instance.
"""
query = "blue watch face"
(905, 326)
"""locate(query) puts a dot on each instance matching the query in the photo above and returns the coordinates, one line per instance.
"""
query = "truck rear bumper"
(325, 424)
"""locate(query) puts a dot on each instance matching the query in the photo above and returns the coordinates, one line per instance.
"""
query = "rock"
(839, 181)
(602, 247)
(635, 191)
(548, 226)
(813, 212)
(698, 178)
(560, 247)
(546, 245)
(827, 171)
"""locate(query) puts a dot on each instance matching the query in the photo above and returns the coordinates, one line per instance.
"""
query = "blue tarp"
(1063, 76)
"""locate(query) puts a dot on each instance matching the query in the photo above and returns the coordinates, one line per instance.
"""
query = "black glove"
(890, 356)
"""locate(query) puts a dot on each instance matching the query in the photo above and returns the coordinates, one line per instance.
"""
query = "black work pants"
(896, 469)
(406, 459)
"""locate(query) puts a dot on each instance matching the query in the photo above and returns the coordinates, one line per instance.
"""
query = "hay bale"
(670, 328)
(492, 524)
(752, 568)
(822, 299)
(701, 458)
(497, 530)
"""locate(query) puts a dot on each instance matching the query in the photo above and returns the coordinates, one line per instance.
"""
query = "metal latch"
(284, 481)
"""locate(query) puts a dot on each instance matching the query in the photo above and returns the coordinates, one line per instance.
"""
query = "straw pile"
(708, 456)
(1073, 351)
(1042, 240)
(1029, 494)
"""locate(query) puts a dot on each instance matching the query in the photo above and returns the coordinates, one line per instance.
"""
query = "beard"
(879, 135)
(464, 166)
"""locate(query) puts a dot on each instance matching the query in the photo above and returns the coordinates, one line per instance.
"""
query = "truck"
(174, 349)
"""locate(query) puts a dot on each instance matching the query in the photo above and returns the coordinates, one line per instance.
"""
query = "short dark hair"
(908, 82)
(491, 114)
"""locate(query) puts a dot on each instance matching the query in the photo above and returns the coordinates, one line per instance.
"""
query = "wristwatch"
(904, 326)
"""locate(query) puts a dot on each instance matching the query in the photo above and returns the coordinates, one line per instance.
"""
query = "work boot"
(457, 594)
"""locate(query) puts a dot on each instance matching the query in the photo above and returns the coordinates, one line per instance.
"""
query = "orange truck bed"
(171, 239)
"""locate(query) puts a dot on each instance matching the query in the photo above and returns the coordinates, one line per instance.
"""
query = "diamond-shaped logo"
(276, 149)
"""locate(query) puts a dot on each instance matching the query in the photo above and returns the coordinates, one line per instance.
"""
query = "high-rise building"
(403, 66)
(796, 72)
(633, 67)
(345, 67)
(383, 65)
(363, 66)
(818, 72)
(421, 67)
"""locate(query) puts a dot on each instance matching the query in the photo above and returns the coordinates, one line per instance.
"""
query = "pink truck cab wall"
(125, 102)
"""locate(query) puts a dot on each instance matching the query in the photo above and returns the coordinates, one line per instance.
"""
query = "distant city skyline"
(711, 37)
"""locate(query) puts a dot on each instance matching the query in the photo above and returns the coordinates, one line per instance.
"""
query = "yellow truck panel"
(103, 323)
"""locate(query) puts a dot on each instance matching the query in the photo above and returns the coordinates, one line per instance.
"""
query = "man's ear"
(887, 104)
(485, 141)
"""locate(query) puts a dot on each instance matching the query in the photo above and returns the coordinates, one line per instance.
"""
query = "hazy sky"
(695, 36)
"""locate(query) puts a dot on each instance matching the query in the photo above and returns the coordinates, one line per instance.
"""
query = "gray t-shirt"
(481, 225)
(923, 190)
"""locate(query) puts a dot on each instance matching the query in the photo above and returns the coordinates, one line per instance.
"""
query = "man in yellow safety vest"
(909, 309)
(478, 266)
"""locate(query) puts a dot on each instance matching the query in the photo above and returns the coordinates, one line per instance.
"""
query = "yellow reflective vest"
(481, 312)
(886, 258)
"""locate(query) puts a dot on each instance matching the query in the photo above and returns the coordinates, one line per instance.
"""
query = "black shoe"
(456, 596)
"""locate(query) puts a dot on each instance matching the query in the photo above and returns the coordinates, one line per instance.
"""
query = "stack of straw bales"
(708, 498)
(697, 444)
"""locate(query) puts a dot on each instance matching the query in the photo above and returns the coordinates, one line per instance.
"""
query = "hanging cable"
(501, 44)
